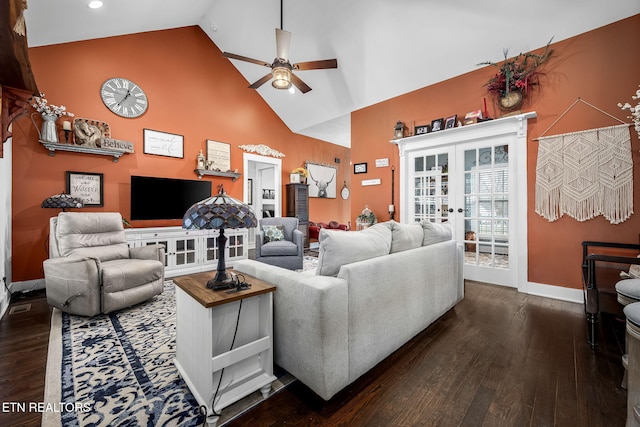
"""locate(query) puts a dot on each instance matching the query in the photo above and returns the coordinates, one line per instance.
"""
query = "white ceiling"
(384, 48)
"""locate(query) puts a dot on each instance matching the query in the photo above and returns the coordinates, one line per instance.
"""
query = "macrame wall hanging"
(585, 174)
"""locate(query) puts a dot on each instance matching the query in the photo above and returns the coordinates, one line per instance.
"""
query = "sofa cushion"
(273, 233)
(279, 248)
(339, 247)
(435, 233)
(405, 236)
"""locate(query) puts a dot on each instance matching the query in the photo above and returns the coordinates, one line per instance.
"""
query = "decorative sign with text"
(86, 186)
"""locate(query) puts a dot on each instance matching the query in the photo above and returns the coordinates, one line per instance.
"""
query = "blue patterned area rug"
(118, 369)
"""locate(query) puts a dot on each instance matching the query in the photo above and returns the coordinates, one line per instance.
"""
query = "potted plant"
(299, 175)
(516, 77)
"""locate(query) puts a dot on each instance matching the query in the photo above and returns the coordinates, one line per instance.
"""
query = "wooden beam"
(15, 68)
(17, 82)
(15, 104)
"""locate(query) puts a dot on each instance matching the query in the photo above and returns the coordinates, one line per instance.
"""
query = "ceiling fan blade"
(260, 82)
(302, 86)
(244, 58)
(283, 41)
(316, 65)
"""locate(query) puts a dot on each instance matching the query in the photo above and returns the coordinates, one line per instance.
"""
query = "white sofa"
(372, 292)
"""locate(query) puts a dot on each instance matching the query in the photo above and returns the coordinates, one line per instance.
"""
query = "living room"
(197, 93)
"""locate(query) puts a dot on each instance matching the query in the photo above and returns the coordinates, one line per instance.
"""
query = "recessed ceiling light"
(95, 4)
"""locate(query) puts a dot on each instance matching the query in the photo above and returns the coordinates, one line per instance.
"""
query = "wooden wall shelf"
(54, 146)
(232, 175)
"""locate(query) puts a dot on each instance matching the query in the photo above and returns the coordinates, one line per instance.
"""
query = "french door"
(470, 187)
(475, 178)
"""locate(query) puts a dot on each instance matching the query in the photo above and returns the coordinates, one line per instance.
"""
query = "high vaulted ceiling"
(384, 48)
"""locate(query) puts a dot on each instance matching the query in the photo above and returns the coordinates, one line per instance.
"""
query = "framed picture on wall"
(322, 181)
(360, 168)
(89, 187)
(163, 143)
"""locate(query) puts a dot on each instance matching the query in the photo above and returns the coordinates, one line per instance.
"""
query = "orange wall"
(193, 91)
(600, 66)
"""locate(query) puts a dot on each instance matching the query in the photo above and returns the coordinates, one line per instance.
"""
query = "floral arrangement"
(367, 216)
(301, 171)
(635, 111)
(42, 106)
(518, 74)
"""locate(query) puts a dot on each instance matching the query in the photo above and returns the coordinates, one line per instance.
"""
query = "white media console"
(191, 251)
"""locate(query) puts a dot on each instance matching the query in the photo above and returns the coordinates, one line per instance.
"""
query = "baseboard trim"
(556, 292)
(26, 286)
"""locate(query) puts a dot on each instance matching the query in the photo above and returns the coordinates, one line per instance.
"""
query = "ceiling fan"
(281, 68)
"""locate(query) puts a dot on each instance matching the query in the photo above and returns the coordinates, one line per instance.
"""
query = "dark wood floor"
(500, 358)
(24, 340)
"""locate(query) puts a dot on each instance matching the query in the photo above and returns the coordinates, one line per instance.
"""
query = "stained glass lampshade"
(219, 212)
(62, 201)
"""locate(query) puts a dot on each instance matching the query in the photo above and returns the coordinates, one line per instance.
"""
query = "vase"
(48, 131)
(511, 101)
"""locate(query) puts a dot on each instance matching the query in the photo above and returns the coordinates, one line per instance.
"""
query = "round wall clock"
(123, 97)
(345, 191)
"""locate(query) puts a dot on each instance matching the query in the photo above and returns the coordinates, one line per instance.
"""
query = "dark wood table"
(196, 286)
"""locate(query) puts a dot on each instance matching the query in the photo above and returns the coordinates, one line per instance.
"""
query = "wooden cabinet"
(224, 342)
(190, 251)
(298, 206)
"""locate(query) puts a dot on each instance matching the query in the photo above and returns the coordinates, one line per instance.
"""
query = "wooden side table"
(206, 322)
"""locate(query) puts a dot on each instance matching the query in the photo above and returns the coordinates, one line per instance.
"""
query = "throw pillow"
(405, 236)
(435, 233)
(273, 233)
(345, 247)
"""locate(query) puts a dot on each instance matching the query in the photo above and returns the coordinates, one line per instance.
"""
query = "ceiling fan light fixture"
(281, 78)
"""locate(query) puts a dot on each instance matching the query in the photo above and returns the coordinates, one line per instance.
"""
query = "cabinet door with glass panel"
(430, 186)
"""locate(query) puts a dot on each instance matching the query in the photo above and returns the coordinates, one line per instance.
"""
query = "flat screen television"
(165, 198)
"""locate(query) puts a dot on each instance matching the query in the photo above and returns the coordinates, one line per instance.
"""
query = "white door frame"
(516, 128)
(248, 158)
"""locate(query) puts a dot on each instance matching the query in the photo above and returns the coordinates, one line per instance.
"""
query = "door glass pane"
(431, 188)
(443, 162)
(470, 183)
(469, 160)
(431, 162)
(486, 204)
(501, 154)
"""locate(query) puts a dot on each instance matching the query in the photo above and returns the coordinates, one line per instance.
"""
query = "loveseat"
(373, 290)
(314, 228)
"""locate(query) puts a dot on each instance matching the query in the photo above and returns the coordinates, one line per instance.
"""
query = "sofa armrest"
(155, 252)
(73, 284)
(310, 325)
(298, 238)
(259, 242)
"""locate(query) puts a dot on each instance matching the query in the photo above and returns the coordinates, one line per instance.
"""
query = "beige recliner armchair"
(91, 268)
